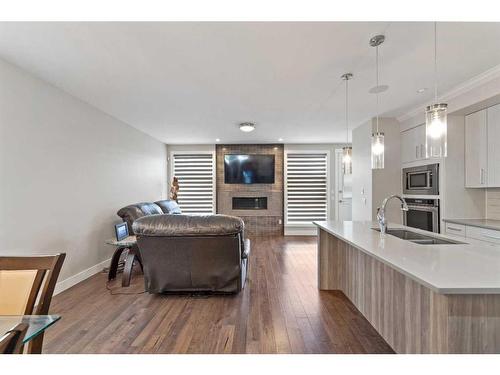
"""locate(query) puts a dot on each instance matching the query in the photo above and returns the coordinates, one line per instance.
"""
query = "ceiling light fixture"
(280, 139)
(419, 91)
(217, 139)
(347, 150)
(378, 148)
(378, 89)
(247, 127)
(436, 127)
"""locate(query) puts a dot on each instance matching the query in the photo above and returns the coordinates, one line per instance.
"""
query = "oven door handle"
(423, 208)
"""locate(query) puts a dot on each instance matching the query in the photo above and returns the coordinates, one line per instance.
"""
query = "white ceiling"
(194, 82)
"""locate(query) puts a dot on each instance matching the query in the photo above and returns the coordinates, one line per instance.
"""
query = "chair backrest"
(12, 341)
(132, 212)
(26, 280)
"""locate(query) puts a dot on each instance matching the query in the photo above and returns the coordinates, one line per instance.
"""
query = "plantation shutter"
(196, 182)
(306, 188)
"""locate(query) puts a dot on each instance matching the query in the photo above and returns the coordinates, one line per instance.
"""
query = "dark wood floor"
(280, 311)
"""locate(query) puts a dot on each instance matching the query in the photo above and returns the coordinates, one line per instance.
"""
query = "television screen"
(249, 169)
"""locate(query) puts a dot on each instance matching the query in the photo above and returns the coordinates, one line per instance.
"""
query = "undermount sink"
(419, 238)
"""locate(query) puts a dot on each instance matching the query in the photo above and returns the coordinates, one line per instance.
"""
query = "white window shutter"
(196, 174)
(306, 188)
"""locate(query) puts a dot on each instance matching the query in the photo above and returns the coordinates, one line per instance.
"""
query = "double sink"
(419, 238)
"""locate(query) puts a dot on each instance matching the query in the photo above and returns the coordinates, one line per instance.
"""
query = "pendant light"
(436, 127)
(347, 150)
(378, 148)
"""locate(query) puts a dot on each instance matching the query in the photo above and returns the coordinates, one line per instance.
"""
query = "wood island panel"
(411, 317)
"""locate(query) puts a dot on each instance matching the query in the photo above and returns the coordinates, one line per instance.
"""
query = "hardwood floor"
(280, 311)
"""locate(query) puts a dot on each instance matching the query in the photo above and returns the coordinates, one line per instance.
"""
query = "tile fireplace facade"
(258, 221)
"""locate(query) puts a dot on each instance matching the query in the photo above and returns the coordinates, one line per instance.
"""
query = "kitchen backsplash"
(493, 203)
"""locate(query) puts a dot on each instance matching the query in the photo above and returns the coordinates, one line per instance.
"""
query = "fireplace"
(249, 203)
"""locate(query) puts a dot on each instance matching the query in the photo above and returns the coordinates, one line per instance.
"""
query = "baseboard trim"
(301, 231)
(80, 276)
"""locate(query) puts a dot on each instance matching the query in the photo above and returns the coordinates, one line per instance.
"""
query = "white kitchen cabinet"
(476, 150)
(493, 120)
(413, 144)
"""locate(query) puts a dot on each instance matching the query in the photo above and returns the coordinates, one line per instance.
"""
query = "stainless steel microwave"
(422, 180)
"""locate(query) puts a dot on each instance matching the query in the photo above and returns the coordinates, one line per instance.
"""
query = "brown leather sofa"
(132, 212)
(193, 253)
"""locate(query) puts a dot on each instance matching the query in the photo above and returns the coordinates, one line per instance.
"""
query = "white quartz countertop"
(481, 223)
(446, 269)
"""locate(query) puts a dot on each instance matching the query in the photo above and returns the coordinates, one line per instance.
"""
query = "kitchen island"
(420, 298)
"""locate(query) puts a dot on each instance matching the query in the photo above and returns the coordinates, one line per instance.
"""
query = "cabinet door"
(407, 148)
(493, 119)
(413, 144)
(420, 141)
(476, 150)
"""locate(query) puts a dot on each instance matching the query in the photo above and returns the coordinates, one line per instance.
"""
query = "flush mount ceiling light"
(378, 89)
(247, 127)
(378, 147)
(217, 140)
(436, 127)
(347, 150)
(280, 139)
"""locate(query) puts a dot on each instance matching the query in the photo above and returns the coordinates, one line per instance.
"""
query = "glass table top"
(36, 324)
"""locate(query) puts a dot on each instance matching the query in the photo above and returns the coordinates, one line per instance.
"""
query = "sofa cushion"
(169, 207)
(131, 213)
(188, 225)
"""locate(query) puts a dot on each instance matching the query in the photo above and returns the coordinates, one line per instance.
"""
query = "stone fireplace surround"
(257, 221)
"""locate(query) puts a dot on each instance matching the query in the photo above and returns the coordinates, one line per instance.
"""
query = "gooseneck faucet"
(382, 222)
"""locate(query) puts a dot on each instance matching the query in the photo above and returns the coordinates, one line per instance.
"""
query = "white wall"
(65, 169)
(370, 187)
(388, 181)
(361, 172)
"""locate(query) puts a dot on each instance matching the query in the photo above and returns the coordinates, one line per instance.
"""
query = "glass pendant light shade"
(436, 130)
(347, 150)
(347, 159)
(378, 149)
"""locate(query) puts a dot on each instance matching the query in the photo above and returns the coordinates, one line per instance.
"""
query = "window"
(196, 174)
(306, 187)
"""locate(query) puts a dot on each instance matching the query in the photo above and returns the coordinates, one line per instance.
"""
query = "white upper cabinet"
(413, 144)
(476, 150)
(493, 119)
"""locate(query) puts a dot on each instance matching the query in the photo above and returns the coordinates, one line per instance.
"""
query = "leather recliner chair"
(193, 253)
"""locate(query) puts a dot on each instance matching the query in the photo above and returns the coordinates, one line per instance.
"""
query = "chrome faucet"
(382, 222)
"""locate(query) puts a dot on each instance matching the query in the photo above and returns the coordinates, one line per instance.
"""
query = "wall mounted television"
(248, 169)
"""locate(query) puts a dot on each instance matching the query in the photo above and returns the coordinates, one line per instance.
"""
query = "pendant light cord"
(435, 64)
(346, 109)
(376, 78)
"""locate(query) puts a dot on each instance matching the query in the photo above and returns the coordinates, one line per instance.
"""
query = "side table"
(130, 244)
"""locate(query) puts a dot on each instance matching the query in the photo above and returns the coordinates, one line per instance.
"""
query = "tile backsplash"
(493, 203)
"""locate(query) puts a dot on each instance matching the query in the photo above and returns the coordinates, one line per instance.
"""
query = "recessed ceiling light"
(419, 91)
(280, 139)
(247, 127)
(217, 139)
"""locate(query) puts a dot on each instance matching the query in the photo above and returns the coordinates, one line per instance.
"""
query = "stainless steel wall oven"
(422, 214)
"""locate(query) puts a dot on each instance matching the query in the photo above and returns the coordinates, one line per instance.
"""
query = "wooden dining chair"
(26, 287)
(12, 341)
